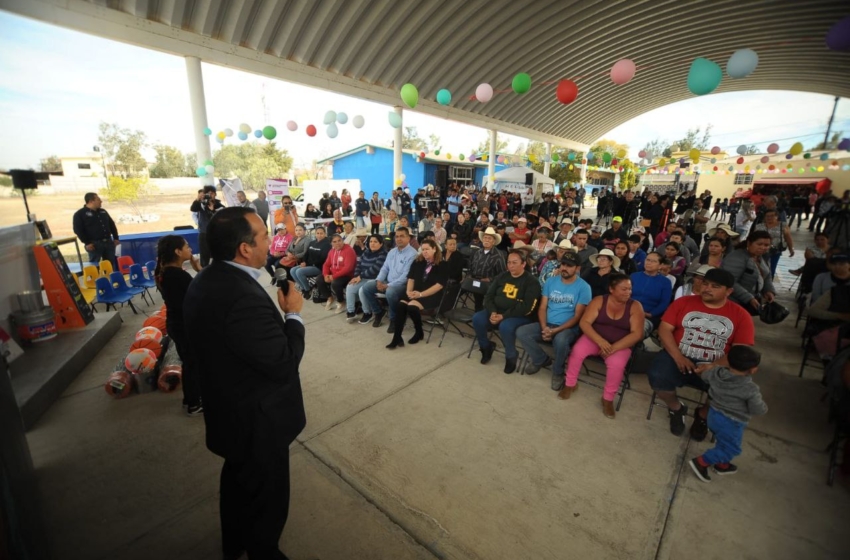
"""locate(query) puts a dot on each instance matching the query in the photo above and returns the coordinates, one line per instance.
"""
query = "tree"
(628, 176)
(51, 164)
(693, 140)
(252, 162)
(122, 149)
(560, 171)
(433, 142)
(484, 147)
(128, 189)
(657, 147)
(170, 162)
(410, 139)
(190, 165)
(832, 144)
(606, 145)
(752, 150)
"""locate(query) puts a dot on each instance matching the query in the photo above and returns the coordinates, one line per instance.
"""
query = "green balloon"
(436, 152)
(269, 132)
(521, 83)
(555, 157)
(807, 155)
(410, 95)
(704, 76)
(208, 162)
(606, 157)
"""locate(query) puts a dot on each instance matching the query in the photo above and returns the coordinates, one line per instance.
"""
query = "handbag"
(288, 260)
(375, 219)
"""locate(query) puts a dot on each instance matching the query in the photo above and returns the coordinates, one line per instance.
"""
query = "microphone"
(281, 280)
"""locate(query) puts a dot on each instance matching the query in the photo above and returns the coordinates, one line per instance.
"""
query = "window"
(743, 179)
(83, 166)
(462, 173)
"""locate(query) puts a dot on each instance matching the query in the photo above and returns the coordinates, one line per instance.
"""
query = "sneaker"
(558, 381)
(195, 410)
(531, 368)
(487, 353)
(329, 304)
(351, 317)
(729, 468)
(391, 327)
(340, 308)
(677, 420)
(434, 321)
(379, 316)
(699, 429)
(510, 365)
(699, 470)
(365, 319)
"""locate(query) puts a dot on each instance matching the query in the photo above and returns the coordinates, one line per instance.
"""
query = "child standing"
(735, 398)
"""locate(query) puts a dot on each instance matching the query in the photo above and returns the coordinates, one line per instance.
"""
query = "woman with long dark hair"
(173, 282)
(753, 282)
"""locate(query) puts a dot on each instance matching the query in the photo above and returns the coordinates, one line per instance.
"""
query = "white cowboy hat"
(565, 244)
(725, 227)
(362, 232)
(605, 253)
(492, 232)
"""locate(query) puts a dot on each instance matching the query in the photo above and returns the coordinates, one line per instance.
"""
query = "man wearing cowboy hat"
(485, 264)
(725, 234)
(564, 230)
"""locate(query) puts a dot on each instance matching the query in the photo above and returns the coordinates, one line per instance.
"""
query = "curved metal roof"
(370, 48)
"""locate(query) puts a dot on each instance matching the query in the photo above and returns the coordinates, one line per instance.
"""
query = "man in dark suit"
(248, 356)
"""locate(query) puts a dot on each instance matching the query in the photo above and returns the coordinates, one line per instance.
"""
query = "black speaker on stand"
(23, 179)
(529, 178)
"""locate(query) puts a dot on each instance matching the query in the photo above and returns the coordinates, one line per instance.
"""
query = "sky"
(57, 85)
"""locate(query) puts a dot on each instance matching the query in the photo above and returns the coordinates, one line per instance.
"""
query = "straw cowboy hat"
(492, 232)
(725, 227)
(565, 245)
(362, 232)
(605, 253)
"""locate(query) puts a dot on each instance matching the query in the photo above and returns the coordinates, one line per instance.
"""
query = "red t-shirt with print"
(705, 334)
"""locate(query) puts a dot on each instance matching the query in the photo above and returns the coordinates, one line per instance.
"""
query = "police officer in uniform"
(95, 228)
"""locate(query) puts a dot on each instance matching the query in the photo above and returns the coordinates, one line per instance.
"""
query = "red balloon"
(614, 162)
(311, 130)
(567, 91)
(715, 168)
(740, 160)
(422, 155)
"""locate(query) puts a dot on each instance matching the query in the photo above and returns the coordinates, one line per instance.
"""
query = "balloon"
(740, 160)
(807, 155)
(642, 154)
(448, 156)
(330, 117)
(500, 159)
(713, 160)
(358, 121)
(341, 118)
(219, 140)
(764, 159)
(521, 83)
(845, 167)
(201, 172)
(694, 153)
(715, 150)
(292, 126)
(788, 156)
(571, 156)
(425, 150)
(715, 168)
(436, 152)
(444, 97)
(824, 157)
(460, 157)
(398, 182)
(820, 168)
(556, 157)
(484, 93)
(208, 162)
(228, 132)
(244, 128)
(742, 63)
(623, 71)
(258, 133)
(220, 135)
(730, 168)
(242, 135)
(269, 132)
(395, 119)
(796, 149)
(209, 169)
(421, 155)
(742, 149)
(332, 130)
(311, 130)
(771, 167)
(838, 36)
(567, 91)
(704, 76)
(844, 144)
(773, 148)
(621, 153)
(472, 157)
(402, 176)
(606, 157)
(207, 131)
(410, 95)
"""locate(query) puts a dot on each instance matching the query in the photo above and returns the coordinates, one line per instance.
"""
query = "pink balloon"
(715, 150)
(292, 125)
(764, 159)
(642, 153)
(484, 93)
(623, 71)
(773, 148)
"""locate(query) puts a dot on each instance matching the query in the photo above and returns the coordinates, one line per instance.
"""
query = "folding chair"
(459, 313)
(810, 329)
(106, 268)
(591, 377)
(699, 401)
(124, 264)
(138, 280)
(450, 293)
(107, 295)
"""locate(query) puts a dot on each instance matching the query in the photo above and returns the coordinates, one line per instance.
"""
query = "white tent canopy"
(513, 179)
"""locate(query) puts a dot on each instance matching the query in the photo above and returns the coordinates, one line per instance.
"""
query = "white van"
(314, 189)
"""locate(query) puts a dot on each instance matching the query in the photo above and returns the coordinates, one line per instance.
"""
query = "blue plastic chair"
(120, 285)
(139, 280)
(151, 266)
(107, 295)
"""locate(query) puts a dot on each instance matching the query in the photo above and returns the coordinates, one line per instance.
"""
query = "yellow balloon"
(398, 182)
(221, 135)
(796, 149)
(789, 166)
(621, 153)
(448, 156)
(820, 168)
(695, 153)
(746, 168)
(571, 166)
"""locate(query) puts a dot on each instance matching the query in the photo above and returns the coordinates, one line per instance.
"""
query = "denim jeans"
(104, 250)
(507, 331)
(370, 302)
(530, 336)
(728, 434)
(302, 275)
(352, 294)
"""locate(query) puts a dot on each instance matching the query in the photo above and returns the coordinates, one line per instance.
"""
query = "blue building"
(373, 166)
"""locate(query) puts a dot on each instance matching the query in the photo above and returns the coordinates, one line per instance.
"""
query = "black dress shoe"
(415, 338)
(487, 353)
(395, 344)
(510, 365)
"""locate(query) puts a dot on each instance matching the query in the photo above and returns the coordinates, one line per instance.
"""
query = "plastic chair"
(139, 280)
(107, 295)
(121, 287)
(151, 266)
(124, 264)
(89, 294)
(90, 274)
(106, 268)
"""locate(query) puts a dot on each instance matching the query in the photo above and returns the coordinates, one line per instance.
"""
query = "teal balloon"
(258, 134)
(201, 172)
(395, 119)
(444, 97)
(742, 63)
(242, 135)
(269, 132)
(571, 156)
(704, 76)
(824, 157)
(332, 130)
(207, 131)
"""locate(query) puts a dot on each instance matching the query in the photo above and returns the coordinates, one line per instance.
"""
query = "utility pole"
(829, 126)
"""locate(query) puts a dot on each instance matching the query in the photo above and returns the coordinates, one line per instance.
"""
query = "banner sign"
(276, 189)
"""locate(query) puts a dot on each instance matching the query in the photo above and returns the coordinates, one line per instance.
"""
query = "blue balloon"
(258, 134)
(341, 118)
(742, 63)
(242, 135)
(824, 157)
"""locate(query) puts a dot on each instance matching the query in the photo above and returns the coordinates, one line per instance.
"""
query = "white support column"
(583, 174)
(397, 141)
(491, 160)
(546, 164)
(199, 114)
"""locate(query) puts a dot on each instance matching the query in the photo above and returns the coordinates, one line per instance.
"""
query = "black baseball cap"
(720, 276)
(571, 259)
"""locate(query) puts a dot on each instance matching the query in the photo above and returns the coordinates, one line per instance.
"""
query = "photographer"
(206, 205)
(287, 214)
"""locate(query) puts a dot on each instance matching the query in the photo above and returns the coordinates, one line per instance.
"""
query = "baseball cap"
(596, 229)
(279, 226)
(571, 259)
(617, 219)
(544, 227)
(640, 229)
(720, 276)
(523, 219)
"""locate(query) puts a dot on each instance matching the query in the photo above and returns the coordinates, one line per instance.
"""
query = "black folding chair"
(594, 378)
(450, 293)
(460, 313)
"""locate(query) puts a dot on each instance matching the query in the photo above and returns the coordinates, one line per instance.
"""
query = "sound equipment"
(529, 178)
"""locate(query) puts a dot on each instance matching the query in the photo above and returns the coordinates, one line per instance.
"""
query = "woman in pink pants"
(611, 325)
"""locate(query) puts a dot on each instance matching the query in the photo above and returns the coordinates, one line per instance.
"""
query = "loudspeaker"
(23, 179)
(529, 178)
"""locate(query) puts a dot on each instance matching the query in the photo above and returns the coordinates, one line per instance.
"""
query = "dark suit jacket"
(247, 358)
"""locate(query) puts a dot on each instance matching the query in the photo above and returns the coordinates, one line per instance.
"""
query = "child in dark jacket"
(735, 398)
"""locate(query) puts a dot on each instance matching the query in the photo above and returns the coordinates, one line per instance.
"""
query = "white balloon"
(245, 127)
(332, 130)
(330, 117)
(402, 176)
(358, 121)
(228, 132)
(292, 125)
(395, 119)
(484, 93)
(210, 169)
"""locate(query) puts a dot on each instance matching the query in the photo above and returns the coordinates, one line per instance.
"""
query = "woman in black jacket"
(314, 259)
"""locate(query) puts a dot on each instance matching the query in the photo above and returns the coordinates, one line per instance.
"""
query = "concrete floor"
(423, 453)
